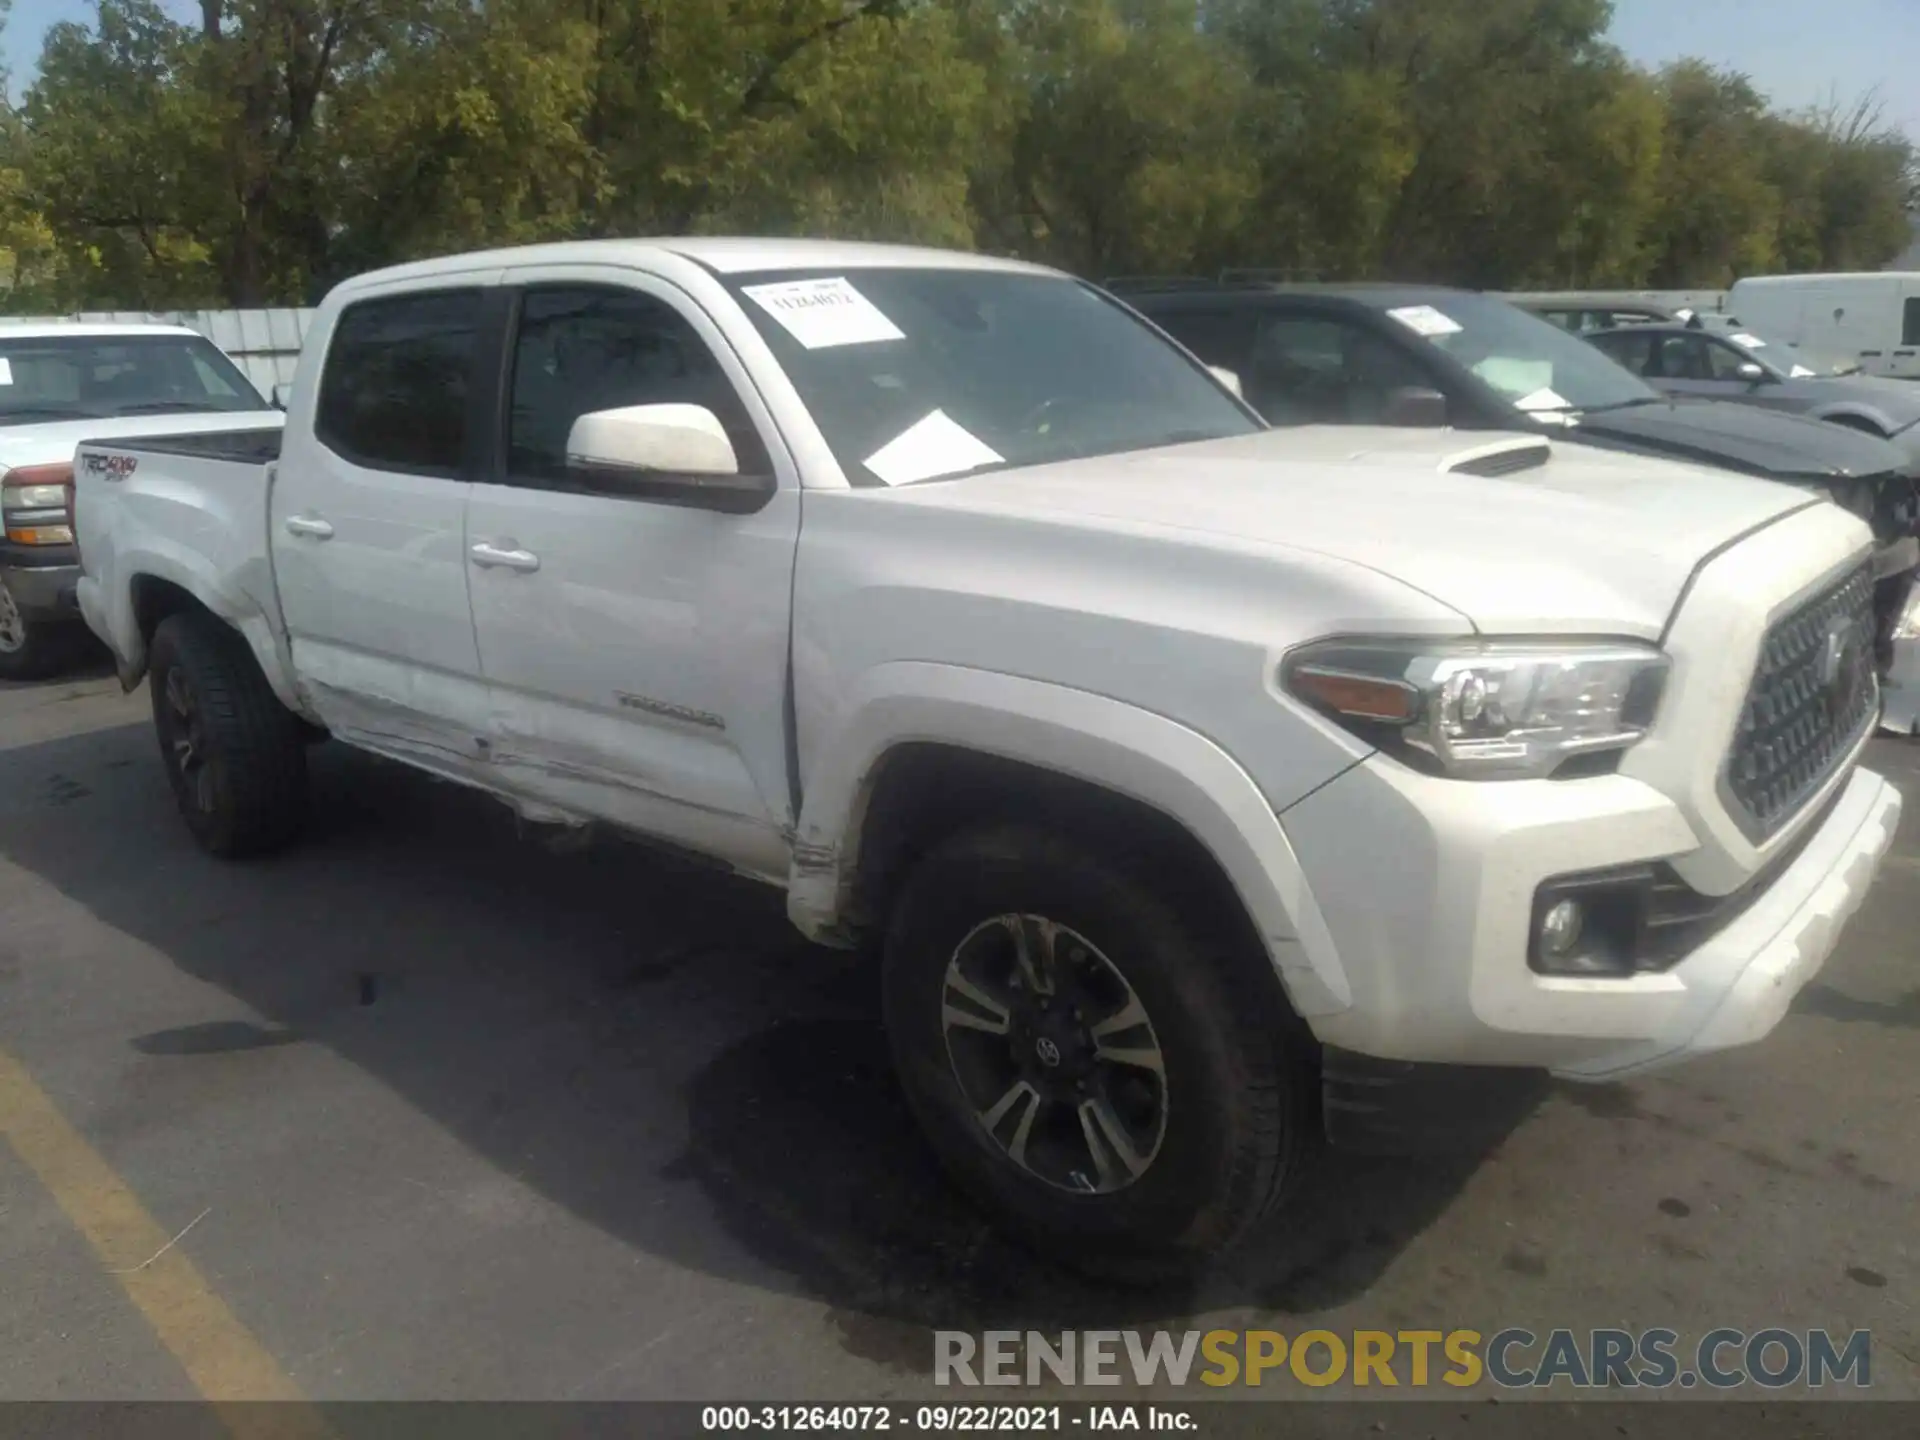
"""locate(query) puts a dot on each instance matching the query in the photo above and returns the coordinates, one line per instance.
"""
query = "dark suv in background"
(1387, 354)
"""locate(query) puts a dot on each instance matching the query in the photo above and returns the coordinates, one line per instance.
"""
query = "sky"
(1798, 52)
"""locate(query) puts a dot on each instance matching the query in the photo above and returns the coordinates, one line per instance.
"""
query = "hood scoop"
(1506, 457)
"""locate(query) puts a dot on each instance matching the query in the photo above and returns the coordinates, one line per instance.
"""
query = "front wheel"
(1108, 1074)
(235, 755)
(31, 649)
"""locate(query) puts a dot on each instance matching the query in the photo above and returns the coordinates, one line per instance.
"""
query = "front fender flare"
(1104, 742)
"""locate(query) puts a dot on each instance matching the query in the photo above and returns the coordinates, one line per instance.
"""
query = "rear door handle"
(310, 526)
(494, 557)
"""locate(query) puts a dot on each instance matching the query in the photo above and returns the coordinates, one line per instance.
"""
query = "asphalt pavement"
(424, 1109)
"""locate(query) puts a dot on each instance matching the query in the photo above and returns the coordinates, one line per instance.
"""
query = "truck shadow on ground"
(643, 1041)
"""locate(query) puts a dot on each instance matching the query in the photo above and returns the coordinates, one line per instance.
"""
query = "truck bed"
(189, 510)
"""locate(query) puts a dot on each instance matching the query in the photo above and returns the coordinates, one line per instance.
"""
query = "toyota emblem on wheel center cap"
(1048, 1052)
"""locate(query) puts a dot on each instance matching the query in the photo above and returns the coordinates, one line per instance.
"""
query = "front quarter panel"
(1140, 661)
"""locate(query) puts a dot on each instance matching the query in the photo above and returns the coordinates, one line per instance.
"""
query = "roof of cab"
(85, 330)
(726, 254)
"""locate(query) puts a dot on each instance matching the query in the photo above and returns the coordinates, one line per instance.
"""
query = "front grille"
(1679, 919)
(1814, 694)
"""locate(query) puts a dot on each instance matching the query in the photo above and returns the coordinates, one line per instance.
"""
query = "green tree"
(1132, 152)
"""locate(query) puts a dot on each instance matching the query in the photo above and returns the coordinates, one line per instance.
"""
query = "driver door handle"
(493, 557)
(309, 525)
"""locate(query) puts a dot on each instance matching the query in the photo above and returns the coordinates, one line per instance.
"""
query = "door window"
(1725, 360)
(580, 349)
(1308, 370)
(1684, 357)
(393, 395)
(1633, 349)
(1219, 336)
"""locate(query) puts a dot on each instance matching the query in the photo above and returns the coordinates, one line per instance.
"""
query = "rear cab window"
(396, 388)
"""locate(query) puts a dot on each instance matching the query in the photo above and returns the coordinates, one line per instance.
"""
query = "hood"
(1743, 437)
(49, 444)
(1587, 542)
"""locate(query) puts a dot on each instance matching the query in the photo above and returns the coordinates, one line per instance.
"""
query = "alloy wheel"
(1055, 1054)
(13, 626)
(186, 740)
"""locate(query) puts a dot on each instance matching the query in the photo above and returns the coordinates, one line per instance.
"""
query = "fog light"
(1560, 928)
(1592, 925)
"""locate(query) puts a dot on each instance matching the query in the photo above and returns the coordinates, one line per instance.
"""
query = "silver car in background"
(1747, 368)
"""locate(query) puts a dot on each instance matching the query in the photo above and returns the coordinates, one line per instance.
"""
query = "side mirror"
(1752, 373)
(1227, 378)
(675, 454)
(282, 394)
(1416, 407)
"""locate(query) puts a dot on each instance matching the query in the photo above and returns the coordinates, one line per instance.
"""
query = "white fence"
(263, 343)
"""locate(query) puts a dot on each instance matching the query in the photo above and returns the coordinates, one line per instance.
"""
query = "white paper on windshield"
(1751, 342)
(6, 371)
(1512, 376)
(1425, 320)
(1800, 372)
(1545, 398)
(821, 314)
(928, 448)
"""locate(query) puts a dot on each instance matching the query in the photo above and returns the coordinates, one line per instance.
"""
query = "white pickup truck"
(1207, 787)
(62, 382)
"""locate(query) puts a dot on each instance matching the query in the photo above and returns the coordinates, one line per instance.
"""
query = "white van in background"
(1874, 318)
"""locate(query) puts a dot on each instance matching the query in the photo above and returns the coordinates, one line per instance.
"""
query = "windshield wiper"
(161, 407)
(43, 412)
(1621, 405)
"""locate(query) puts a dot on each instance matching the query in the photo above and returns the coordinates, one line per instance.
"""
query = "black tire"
(1240, 1103)
(33, 649)
(235, 755)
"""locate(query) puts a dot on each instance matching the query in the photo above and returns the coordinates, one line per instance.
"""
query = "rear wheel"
(235, 756)
(1116, 1082)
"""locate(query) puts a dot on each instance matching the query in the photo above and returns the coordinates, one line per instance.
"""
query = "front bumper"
(1427, 887)
(42, 581)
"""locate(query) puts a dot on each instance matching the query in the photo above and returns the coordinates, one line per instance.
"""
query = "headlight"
(36, 497)
(1483, 710)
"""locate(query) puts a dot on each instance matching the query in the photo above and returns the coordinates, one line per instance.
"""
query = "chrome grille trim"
(1814, 695)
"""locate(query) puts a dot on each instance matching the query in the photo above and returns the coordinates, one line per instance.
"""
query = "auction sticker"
(932, 447)
(821, 314)
(1425, 320)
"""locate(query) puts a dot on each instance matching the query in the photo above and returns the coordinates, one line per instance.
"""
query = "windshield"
(1796, 363)
(1531, 362)
(923, 374)
(45, 378)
